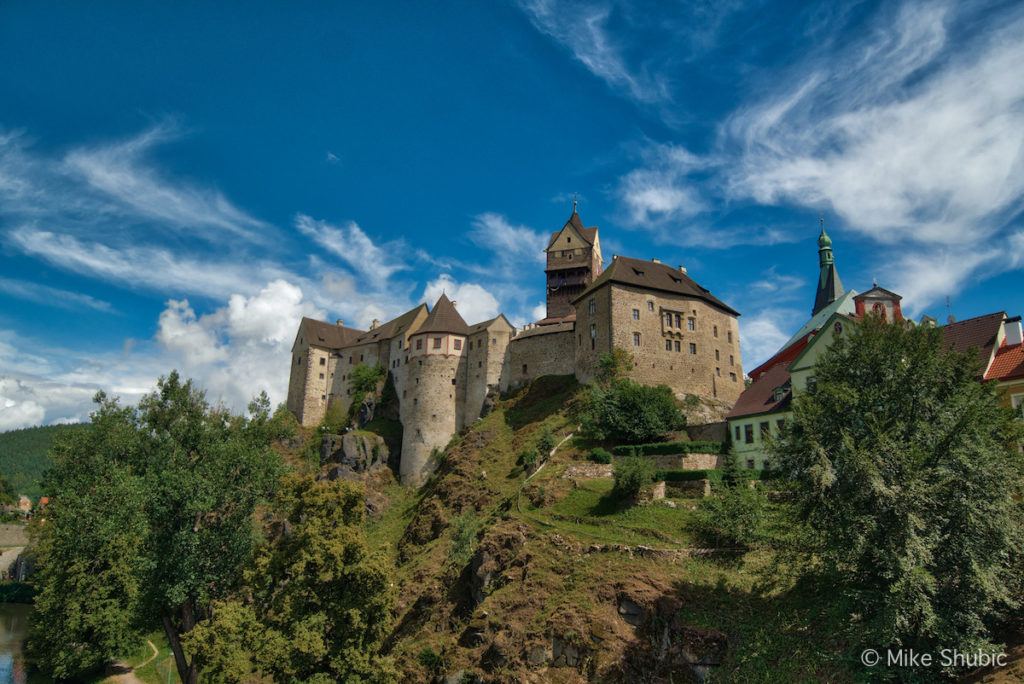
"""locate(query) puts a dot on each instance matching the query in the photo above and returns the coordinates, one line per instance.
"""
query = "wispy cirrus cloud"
(375, 264)
(582, 28)
(52, 296)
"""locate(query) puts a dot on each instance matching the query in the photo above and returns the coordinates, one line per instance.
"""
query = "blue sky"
(180, 182)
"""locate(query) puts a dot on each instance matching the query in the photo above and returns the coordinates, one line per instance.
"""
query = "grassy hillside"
(556, 581)
(23, 456)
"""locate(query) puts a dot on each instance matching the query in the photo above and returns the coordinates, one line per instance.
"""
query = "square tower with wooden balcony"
(573, 262)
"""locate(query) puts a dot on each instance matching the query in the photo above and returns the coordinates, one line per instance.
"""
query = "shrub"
(528, 459)
(335, 419)
(627, 411)
(668, 448)
(431, 660)
(365, 378)
(546, 442)
(731, 518)
(631, 475)
(464, 531)
(599, 455)
(614, 365)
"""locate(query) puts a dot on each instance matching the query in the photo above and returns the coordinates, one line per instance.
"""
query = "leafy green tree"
(614, 365)
(732, 517)
(624, 410)
(89, 561)
(903, 472)
(320, 603)
(170, 489)
(545, 442)
(364, 380)
(632, 474)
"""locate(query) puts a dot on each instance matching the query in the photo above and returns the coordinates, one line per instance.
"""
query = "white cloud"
(583, 29)
(375, 264)
(909, 142)
(660, 191)
(764, 333)
(51, 296)
(154, 268)
(512, 246)
(473, 302)
(120, 172)
(16, 410)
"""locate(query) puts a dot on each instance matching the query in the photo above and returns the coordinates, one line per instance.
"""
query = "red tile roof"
(783, 356)
(978, 333)
(760, 396)
(1008, 364)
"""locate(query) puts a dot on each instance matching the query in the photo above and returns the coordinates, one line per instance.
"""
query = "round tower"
(433, 400)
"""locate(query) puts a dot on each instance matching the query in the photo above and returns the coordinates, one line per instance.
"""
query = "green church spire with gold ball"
(830, 287)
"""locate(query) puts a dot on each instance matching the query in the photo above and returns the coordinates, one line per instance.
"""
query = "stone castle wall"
(712, 368)
(431, 410)
(547, 350)
(485, 360)
(308, 386)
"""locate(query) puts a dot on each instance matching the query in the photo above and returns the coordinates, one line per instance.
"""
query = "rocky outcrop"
(496, 557)
(352, 453)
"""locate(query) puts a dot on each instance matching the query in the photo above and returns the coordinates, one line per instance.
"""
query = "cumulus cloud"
(764, 333)
(474, 302)
(16, 410)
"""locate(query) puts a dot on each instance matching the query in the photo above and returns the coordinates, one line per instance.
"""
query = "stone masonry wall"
(485, 359)
(710, 368)
(593, 332)
(311, 395)
(430, 409)
(532, 355)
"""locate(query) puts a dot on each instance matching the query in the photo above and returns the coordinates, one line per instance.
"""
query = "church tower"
(830, 288)
(573, 261)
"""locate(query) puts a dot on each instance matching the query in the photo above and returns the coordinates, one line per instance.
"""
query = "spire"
(830, 287)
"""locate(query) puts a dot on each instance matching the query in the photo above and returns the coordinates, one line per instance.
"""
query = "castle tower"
(830, 288)
(573, 261)
(433, 398)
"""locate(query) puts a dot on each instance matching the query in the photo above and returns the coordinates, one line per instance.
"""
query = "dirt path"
(125, 672)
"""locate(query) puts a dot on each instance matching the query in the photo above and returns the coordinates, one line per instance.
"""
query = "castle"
(443, 369)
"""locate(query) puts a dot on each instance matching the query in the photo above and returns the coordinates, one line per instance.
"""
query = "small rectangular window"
(524, 369)
(668, 320)
(636, 314)
(748, 434)
(728, 336)
(350, 360)
(732, 376)
(323, 397)
(765, 428)
(737, 431)
(718, 372)
(458, 344)
(592, 306)
(732, 361)
(668, 345)
(693, 348)
(678, 346)
(323, 361)
(679, 321)
(812, 385)
(714, 330)
(437, 343)
(650, 306)
(716, 355)
(636, 339)
(691, 324)
(419, 344)
(321, 376)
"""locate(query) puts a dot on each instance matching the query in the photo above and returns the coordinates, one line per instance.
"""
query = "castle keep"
(443, 369)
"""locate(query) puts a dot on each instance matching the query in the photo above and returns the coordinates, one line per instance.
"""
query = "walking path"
(126, 674)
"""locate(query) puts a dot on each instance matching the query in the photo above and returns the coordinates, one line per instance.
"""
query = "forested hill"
(23, 456)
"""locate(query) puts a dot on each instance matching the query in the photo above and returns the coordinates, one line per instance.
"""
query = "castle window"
(350, 360)
(298, 360)
(479, 364)
(678, 348)
(437, 343)
(360, 358)
(636, 314)
(748, 434)
(679, 321)
(321, 376)
(668, 345)
(404, 393)
(419, 344)
(650, 306)
(728, 336)
(668, 320)
(731, 360)
(714, 331)
(494, 341)
(718, 372)
(415, 400)
(691, 324)
(570, 256)
(732, 376)
(716, 355)
(323, 397)
(568, 238)
(636, 339)
(399, 344)
(524, 369)
(453, 381)
(693, 348)
(765, 429)
(323, 361)
(458, 344)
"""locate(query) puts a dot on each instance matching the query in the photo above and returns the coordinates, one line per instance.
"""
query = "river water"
(13, 629)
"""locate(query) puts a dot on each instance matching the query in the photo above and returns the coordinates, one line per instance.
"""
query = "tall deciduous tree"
(161, 499)
(904, 471)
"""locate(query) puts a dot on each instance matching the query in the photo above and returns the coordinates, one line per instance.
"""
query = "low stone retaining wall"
(686, 461)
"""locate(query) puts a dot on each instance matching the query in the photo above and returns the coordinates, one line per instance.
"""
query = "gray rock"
(631, 612)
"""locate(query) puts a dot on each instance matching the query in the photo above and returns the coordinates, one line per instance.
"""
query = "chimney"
(1012, 331)
(340, 323)
(657, 261)
(682, 269)
(374, 324)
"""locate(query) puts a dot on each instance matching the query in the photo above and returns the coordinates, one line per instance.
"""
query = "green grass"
(591, 514)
